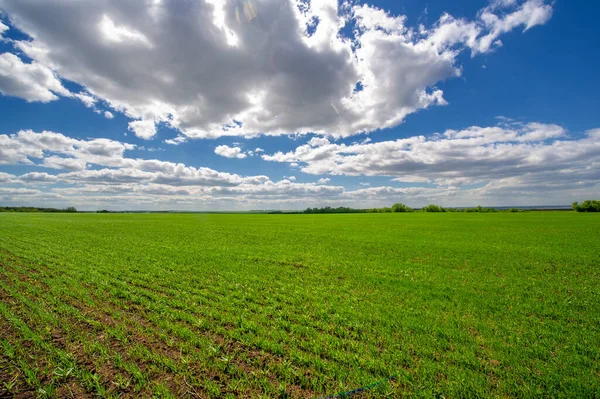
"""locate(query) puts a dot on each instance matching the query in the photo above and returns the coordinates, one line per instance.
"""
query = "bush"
(433, 208)
(400, 207)
(587, 206)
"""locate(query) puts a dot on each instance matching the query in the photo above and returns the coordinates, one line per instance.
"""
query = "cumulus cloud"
(476, 155)
(211, 68)
(522, 164)
(37, 177)
(86, 99)
(230, 152)
(176, 141)
(5, 177)
(317, 142)
(26, 146)
(17, 192)
(139, 183)
(144, 129)
(72, 164)
(58, 151)
(32, 82)
(108, 115)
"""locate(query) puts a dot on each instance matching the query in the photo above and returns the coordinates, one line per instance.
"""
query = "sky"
(287, 104)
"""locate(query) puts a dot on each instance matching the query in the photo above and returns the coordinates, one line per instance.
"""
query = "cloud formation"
(3, 28)
(213, 68)
(26, 146)
(508, 164)
(32, 82)
(526, 153)
(230, 152)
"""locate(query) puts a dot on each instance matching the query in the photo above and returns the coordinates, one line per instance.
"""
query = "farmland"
(453, 305)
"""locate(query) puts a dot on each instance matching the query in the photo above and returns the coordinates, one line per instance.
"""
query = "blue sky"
(253, 104)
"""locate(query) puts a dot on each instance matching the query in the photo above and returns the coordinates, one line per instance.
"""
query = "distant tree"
(433, 208)
(35, 209)
(400, 207)
(329, 209)
(587, 206)
(103, 211)
(480, 209)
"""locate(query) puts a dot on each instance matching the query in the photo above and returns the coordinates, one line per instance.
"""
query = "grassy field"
(275, 306)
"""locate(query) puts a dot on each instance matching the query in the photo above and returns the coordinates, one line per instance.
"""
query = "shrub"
(587, 206)
(400, 207)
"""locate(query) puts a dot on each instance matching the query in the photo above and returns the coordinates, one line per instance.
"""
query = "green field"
(451, 304)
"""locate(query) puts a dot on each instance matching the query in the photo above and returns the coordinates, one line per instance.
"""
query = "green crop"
(293, 306)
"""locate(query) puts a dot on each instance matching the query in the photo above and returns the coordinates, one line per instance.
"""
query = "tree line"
(396, 208)
(585, 206)
(35, 209)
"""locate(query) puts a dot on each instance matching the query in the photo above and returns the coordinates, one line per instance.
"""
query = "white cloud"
(171, 175)
(58, 151)
(457, 158)
(411, 179)
(86, 99)
(3, 28)
(121, 34)
(230, 152)
(144, 129)
(26, 146)
(177, 140)
(36, 177)
(32, 82)
(17, 192)
(6, 177)
(509, 170)
(317, 142)
(529, 14)
(245, 73)
(72, 164)
(108, 115)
